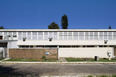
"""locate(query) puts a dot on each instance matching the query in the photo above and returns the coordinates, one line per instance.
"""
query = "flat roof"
(57, 29)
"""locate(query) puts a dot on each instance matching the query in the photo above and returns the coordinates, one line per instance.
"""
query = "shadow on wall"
(12, 72)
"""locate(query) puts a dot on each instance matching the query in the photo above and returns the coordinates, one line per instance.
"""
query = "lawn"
(30, 60)
(89, 59)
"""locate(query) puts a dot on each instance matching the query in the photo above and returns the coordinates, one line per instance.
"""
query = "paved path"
(57, 69)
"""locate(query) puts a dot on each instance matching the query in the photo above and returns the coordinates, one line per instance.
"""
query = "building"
(81, 43)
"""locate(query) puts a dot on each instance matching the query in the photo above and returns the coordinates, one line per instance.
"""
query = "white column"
(58, 51)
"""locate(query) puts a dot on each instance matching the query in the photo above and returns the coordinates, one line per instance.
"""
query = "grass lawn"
(31, 60)
(88, 59)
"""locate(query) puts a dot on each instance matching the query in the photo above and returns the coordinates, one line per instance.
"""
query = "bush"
(44, 57)
(89, 76)
(113, 75)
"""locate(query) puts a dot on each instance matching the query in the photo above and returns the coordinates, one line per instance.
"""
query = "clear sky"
(38, 14)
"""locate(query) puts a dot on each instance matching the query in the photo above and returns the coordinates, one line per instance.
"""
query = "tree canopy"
(53, 25)
(110, 27)
(1, 27)
(64, 22)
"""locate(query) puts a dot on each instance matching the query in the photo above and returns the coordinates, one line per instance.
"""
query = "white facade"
(65, 39)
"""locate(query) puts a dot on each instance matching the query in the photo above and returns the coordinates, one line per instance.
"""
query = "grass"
(31, 60)
(89, 59)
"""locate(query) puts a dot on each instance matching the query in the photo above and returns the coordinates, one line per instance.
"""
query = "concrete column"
(58, 51)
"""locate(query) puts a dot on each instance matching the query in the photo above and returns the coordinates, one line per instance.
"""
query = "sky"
(38, 14)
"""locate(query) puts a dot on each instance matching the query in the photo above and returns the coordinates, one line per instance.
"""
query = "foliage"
(103, 76)
(32, 60)
(1, 27)
(89, 59)
(89, 76)
(113, 75)
(53, 25)
(110, 27)
(64, 22)
(44, 57)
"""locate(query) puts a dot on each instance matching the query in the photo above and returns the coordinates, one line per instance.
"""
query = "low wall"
(33, 53)
(86, 52)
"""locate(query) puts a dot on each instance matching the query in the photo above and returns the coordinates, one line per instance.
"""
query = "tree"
(53, 25)
(110, 27)
(64, 22)
(1, 27)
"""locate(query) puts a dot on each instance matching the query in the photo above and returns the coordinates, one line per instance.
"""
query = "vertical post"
(58, 51)
(8, 50)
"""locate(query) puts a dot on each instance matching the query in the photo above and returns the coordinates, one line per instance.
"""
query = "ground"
(57, 69)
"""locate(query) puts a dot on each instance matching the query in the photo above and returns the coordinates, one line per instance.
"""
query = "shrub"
(44, 57)
(89, 76)
(113, 75)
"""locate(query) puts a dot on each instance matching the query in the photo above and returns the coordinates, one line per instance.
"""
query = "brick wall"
(115, 51)
(33, 53)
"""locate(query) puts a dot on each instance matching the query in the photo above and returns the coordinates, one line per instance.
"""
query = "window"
(34, 35)
(114, 35)
(81, 35)
(91, 35)
(20, 35)
(101, 35)
(65, 35)
(45, 35)
(86, 35)
(50, 35)
(70, 35)
(40, 35)
(105, 35)
(95, 35)
(109, 35)
(75, 35)
(55, 35)
(28, 35)
(61, 35)
(24, 34)
(14, 33)
(0, 33)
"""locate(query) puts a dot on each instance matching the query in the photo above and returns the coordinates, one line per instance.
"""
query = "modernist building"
(70, 42)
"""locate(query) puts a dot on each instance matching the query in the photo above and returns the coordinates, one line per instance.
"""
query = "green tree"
(64, 22)
(53, 25)
(110, 27)
(1, 27)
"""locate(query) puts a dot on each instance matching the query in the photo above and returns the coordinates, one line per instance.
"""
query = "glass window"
(109, 35)
(14, 33)
(55, 35)
(50, 35)
(105, 35)
(91, 35)
(20, 35)
(0, 33)
(61, 35)
(28, 35)
(75, 35)
(114, 35)
(65, 35)
(101, 35)
(86, 35)
(70, 35)
(34, 35)
(95, 35)
(81, 35)
(45, 35)
(40, 35)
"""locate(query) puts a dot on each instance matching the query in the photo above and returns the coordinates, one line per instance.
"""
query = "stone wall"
(33, 53)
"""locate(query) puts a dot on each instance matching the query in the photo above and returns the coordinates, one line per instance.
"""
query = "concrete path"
(57, 69)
